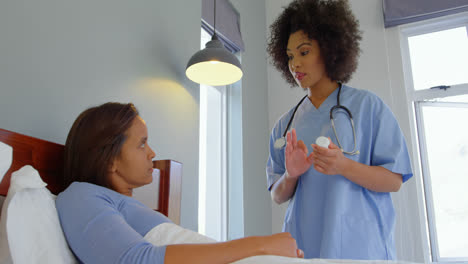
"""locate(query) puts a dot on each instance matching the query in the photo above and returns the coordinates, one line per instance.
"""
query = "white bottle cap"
(322, 141)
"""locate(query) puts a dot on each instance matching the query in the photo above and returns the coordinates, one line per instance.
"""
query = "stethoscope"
(281, 142)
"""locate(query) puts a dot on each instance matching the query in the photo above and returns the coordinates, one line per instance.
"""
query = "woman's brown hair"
(95, 140)
(331, 23)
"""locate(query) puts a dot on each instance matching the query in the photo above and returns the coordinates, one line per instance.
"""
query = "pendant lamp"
(214, 65)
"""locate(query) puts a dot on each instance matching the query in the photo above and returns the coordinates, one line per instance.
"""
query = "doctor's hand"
(297, 159)
(329, 160)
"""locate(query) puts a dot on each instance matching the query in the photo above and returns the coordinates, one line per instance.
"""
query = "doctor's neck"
(321, 90)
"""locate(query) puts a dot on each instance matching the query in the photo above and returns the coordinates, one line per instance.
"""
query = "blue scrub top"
(328, 215)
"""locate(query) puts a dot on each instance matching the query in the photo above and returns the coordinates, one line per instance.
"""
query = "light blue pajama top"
(328, 215)
(103, 226)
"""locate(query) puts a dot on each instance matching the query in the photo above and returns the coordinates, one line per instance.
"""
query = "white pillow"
(6, 157)
(170, 234)
(30, 230)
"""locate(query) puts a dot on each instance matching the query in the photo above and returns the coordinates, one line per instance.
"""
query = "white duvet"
(168, 234)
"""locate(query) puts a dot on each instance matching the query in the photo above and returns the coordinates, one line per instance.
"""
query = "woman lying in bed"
(106, 156)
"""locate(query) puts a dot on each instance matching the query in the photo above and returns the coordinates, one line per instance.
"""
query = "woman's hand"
(281, 244)
(297, 159)
(329, 160)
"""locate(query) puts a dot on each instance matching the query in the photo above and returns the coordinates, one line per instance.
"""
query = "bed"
(163, 195)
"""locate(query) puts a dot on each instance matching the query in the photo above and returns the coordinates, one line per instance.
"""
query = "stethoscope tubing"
(293, 114)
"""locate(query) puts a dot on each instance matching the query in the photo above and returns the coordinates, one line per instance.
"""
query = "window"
(212, 211)
(435, 56)
(220, 210)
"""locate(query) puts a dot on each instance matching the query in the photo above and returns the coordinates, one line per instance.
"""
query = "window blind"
(227, 23)
(398, 12)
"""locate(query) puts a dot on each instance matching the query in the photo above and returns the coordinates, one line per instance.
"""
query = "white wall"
(379, 71)
(257, 206)
(59, 57)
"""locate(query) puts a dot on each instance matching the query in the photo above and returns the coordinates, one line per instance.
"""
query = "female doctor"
(339, 195)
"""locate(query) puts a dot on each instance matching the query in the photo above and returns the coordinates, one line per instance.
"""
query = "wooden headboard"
(47, 158)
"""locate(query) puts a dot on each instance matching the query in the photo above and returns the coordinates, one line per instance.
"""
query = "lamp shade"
(214, 65)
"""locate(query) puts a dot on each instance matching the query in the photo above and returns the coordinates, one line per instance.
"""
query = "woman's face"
(133, 167)
(305, 61)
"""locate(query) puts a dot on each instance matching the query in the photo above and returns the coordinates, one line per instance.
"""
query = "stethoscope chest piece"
(280, 143)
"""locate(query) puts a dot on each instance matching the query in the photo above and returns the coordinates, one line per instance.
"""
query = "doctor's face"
(133, 167)
(305, 61)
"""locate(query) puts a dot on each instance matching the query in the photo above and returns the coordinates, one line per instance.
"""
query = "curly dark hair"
(331, 23)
